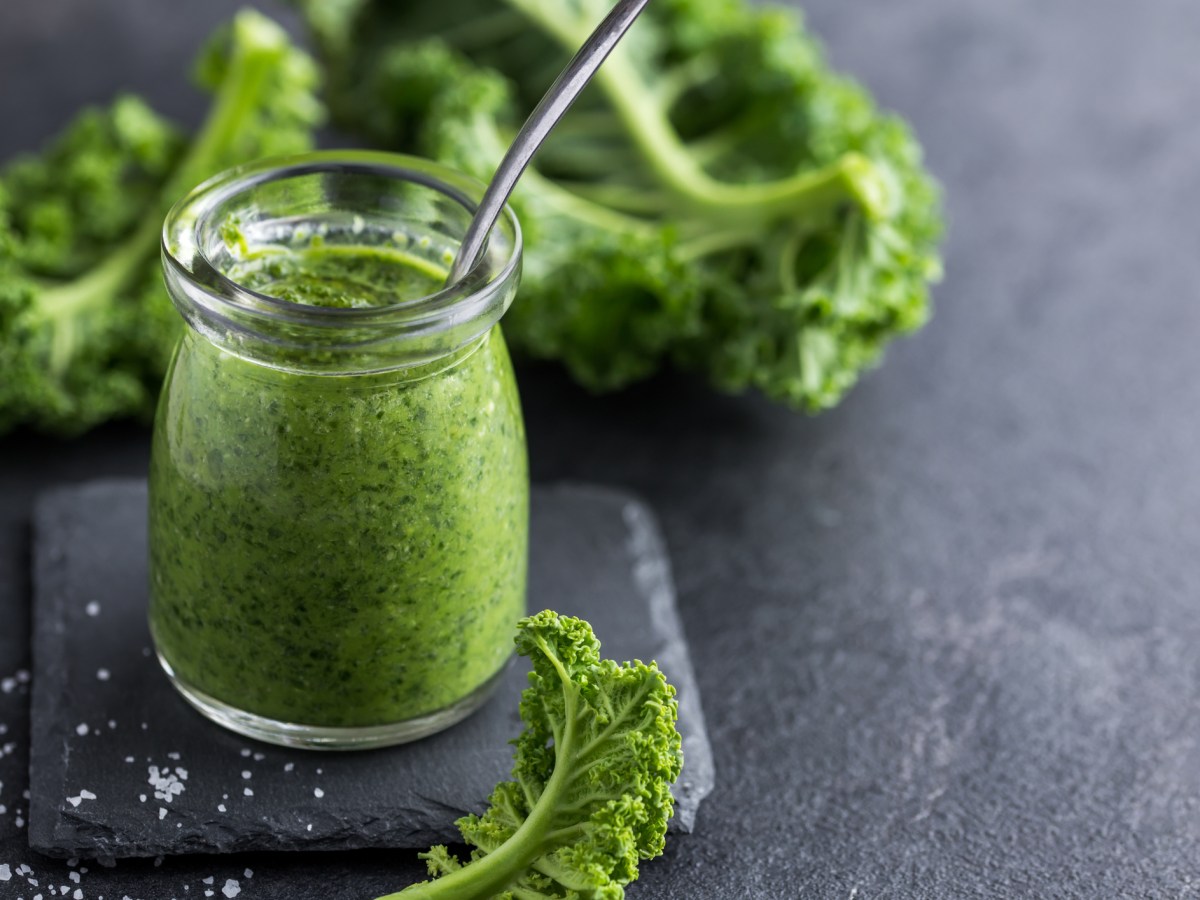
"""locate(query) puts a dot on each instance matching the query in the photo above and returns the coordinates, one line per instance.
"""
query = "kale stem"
(626, 198)
(588, 123)
(258, 46)
(571, 204)
(712, 147)
(492, 873)
(699, 245)
(787, 259)
(60, 305)
(591, 157)
(674, 84)
(851, 179)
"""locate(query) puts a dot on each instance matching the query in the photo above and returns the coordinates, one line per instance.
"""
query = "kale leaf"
(86, 328)
(719, 199)
(591, 789)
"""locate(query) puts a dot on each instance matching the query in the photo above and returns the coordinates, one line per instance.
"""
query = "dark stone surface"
(945, 635)
(121, 766)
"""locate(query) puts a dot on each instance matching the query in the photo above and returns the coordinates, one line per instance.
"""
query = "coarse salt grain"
(83, 795)
(167, 785)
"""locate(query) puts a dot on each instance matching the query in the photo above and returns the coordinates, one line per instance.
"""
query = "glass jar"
(338, 482)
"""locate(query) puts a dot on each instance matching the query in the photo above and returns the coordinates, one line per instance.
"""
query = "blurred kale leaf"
(86, 328)
(719, 200)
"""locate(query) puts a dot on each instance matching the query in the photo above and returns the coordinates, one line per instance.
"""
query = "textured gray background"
(946, 635)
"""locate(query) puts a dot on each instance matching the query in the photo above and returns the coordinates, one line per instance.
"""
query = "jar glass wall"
(338, 486)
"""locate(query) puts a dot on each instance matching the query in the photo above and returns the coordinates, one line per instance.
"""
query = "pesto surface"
(339, 551)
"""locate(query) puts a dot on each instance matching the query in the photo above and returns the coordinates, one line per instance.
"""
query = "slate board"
(104, 713)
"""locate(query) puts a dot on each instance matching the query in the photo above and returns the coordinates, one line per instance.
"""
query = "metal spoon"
(537, 127)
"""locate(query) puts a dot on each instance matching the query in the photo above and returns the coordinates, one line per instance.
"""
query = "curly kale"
(719, 199)
(86, 329)
(591, 789)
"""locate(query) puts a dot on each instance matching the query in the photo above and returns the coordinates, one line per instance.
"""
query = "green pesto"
(338, 551)
(339, 276)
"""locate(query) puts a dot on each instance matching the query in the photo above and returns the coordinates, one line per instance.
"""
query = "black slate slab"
(121, 766)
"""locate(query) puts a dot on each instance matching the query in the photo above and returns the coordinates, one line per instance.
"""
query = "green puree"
(340, 551)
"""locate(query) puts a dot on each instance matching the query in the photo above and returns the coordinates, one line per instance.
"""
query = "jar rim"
(447, 305)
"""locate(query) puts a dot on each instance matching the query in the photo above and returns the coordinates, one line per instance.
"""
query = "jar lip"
(193, 212)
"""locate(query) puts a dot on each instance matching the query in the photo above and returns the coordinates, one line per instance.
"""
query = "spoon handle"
(553, 106)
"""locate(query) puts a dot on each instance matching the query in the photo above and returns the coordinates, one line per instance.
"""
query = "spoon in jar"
(537, 127)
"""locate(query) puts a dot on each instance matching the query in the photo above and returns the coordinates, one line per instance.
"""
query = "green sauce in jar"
(340, 551)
